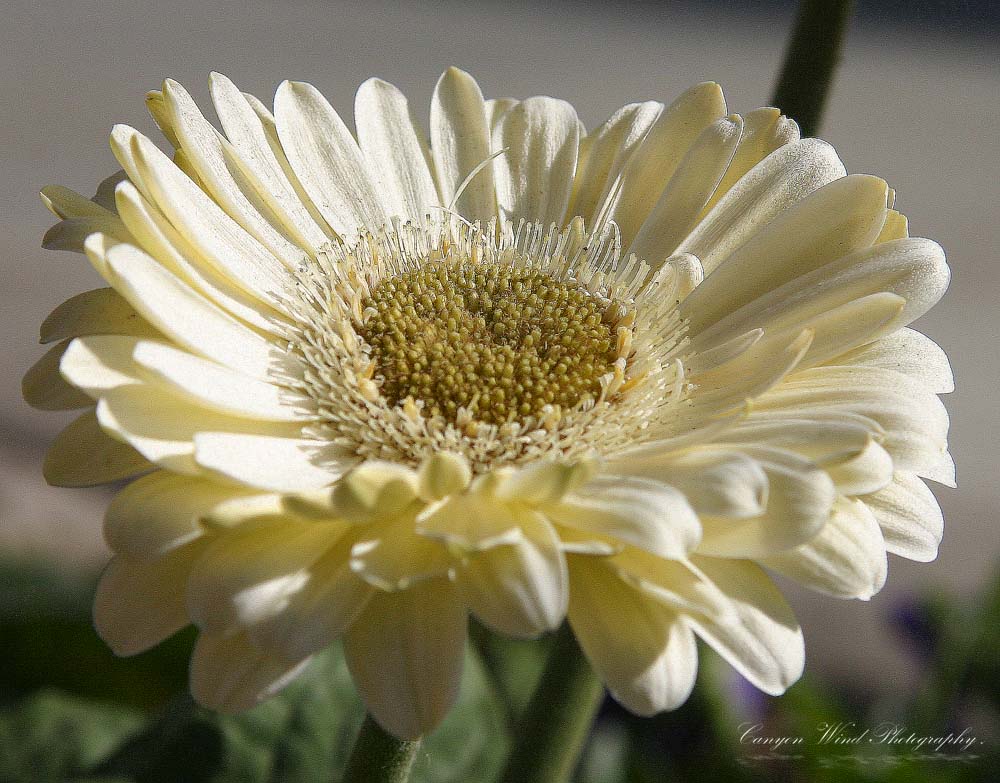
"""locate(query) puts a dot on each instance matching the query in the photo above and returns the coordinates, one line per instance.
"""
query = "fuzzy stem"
(557, 721)
(378, 757)
(813, 53)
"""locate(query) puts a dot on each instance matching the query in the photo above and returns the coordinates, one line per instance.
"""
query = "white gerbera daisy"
(526, 372)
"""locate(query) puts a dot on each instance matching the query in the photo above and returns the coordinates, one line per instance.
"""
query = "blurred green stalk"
(812, 56)
(378, 757)
(555, 726)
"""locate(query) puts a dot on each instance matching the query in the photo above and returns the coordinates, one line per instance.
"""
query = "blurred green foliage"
(71, 711)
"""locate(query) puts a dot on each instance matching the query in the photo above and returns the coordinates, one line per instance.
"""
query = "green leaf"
(53, 736)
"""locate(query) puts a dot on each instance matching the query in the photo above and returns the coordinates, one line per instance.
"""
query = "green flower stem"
(813, 53)
(556, 723)
(378, 757)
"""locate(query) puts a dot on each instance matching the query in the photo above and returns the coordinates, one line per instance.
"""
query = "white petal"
(163, 427)
(520, 589)
(139, 603)
(157, 236)
(442, 474)
(395, 149)
(71, 234)
(765, 645)
(460, 141)
(217, 236)
(218, 387)
(261, 157)
(910, 518)
(215, 162)
(839, 218)
(535, 176)
(689, 189)
(607, 150)
(283, 464)
(405, 654)
(320, 611)
(101, 311)
(784, 177)
(45, 389)
(99, 364)
(84, 455)
(229, 674)
(646, 513)
(391, 555)
(472, 521)
(846, 559)
(327, 160)
(251, 573)
(907, 352)
(640, 648)
(913, 269)
(65, 203)
(189, 319)
(714, 481)
(799, 499)
(764, 131)
(162, 511)
(643, 178)
(496, 108)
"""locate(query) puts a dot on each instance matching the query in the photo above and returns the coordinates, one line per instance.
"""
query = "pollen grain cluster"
(502, 342)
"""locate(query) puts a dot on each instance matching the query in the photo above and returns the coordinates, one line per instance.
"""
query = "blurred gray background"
(917, 102)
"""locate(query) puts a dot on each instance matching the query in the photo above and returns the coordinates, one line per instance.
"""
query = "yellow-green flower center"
(500, 341)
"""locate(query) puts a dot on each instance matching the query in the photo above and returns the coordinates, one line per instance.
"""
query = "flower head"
(370, 385)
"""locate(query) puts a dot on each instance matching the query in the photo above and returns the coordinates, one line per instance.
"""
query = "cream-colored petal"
(862, 472)
(101, 311)
(534, 177)
(44, 388)
(219, 238)
(443, 474)
(253, 133)
(327, 160)
(496, 108)
(472, 522)
(896, 227)
(643, 178)
(675, 583)
(83, 455)
(909, 516)
(405, 654)
(607, 150)
(191, 320)
(217, 387)
(65, 203)
(250, 573)
(105, 195)
(214, 160)
(914, 420)
(689, 189)
(320, 611)
(163, 427)
(139, 603)
(392, 555)
(372, 490)
(799, 500)
(845, 559)
(258, 459)
(645, 513)
(101, 363)
(229, 674)
(764, 131)
(460, 141)
(639, 648)
(396, 151)
(783, 178)
(714, 481)
(162, 511)
(157, 236)
(908, 352)
(520, 589)
(913, 269)
(543, 482)
(839, 218)
(71, 234)
(765, 643)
